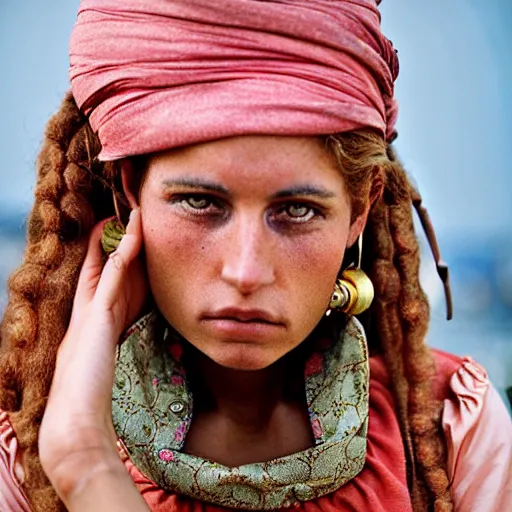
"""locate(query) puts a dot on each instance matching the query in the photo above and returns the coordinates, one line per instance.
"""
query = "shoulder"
(478, 433)
(448, 367)
(477, 429)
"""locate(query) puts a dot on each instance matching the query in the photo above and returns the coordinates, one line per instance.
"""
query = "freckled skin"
(250, 249)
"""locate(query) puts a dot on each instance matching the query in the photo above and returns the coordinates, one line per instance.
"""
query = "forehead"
(253, 160)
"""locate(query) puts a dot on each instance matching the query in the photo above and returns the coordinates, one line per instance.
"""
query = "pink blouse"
(12, 498)
(476, 424)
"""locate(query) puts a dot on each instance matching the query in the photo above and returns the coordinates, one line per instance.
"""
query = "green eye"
(198, 203)
(296, 213)
(299, 211)
(201, 206)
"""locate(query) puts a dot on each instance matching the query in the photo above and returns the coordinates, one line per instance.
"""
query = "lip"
(241, 315)
(235, 330)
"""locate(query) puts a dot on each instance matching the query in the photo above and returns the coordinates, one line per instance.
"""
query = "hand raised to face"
(77, 437)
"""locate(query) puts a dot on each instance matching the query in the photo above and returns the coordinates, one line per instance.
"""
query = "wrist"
(107, 487)
(79, 470)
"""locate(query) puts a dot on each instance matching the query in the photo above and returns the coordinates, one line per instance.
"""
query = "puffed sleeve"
(12, 498)
(478, 431)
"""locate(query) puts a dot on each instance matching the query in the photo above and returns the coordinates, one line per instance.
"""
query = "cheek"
(312, 265)
(317, 255)
(173, 250)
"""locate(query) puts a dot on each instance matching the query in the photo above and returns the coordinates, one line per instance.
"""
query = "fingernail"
(133, 212)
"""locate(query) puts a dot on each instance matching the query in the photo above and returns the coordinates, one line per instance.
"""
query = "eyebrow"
(201, 184)
(304, 190)
(197, 184)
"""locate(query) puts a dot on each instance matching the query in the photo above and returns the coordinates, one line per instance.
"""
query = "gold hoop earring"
(353, 292)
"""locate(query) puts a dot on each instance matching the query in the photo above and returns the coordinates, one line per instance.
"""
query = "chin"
(243, 356)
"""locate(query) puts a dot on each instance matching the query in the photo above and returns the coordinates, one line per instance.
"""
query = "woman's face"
(244, 238)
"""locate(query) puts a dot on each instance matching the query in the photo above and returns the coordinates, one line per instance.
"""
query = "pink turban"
(157, 74)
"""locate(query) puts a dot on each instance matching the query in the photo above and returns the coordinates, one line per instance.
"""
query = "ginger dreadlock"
(73, 192)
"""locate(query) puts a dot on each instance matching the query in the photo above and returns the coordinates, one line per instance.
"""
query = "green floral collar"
(152, 409)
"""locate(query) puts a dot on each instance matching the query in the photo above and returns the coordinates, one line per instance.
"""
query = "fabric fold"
(12, 497)
(478, 432)
(157, 74)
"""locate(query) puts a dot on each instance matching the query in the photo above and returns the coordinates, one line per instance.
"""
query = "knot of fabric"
(158, 74)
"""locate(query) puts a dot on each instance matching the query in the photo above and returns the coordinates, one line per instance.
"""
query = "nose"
(248, 261)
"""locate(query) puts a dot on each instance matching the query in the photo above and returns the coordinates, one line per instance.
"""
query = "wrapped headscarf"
(157, 74)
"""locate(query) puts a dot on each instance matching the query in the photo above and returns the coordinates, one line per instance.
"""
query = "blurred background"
(455, 134)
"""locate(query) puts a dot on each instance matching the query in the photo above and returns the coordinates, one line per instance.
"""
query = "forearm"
(110, 491)
(105, 487)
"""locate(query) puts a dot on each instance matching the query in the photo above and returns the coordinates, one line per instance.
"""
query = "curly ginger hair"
(74, 191)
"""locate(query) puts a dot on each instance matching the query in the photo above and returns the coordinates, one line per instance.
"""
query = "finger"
(115, 271)
(87, 346)
(87, 282)
(91, 268)
(88, 353)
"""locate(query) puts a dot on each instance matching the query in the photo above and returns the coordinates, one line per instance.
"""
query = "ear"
(357, 227)
(376, 191)
(131, 183)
